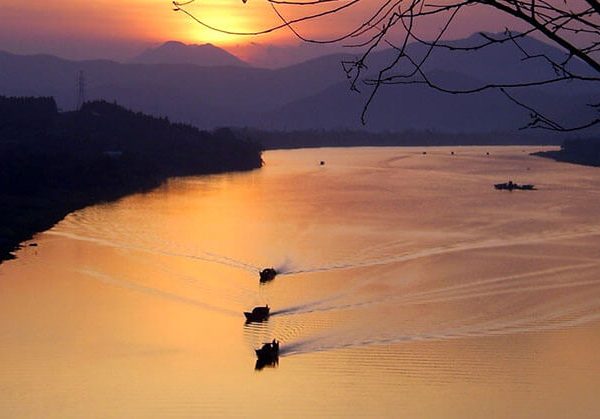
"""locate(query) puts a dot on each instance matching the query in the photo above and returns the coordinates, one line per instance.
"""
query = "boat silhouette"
(267, 274)
(510, 185)
(269, 352)
(258, 314)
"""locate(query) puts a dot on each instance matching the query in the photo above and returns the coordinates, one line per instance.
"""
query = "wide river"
(409, 288)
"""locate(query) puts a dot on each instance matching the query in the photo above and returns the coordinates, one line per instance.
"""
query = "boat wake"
(532, 301)
(309, 307)
(201, 256)
(154, 292)
(443, 250)
(333, 340)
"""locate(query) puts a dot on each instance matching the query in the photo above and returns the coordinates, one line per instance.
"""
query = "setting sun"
(219, 17)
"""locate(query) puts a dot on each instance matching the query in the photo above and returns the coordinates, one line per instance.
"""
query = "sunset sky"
(105, 28)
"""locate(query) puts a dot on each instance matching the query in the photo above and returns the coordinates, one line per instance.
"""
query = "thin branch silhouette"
(571, 25)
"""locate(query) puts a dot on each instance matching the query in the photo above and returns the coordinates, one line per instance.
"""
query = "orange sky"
(148, 20)
(57, 25)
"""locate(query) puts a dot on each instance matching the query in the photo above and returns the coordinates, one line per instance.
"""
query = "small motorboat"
(269, 352)
(258, 314)
(510, 186)
(267, 274)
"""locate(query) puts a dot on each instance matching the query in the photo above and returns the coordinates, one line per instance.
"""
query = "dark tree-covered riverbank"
(273, 140)
(585, 151)
(53, 163)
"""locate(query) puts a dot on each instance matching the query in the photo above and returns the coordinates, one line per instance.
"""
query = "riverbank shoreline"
(41, 213)
(581, 151)
(562, 157)
(53, 163)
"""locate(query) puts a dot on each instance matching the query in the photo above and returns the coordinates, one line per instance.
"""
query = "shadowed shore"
(53, 163)
(584, 151)
(279, 140)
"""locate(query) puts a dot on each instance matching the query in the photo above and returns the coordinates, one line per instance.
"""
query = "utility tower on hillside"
(80, 89)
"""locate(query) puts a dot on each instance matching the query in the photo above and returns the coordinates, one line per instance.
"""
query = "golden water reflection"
(410, 288)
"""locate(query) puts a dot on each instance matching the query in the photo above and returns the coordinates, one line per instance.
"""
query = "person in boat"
(272, 347)
(267, 274)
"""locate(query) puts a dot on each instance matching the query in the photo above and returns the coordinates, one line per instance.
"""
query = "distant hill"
(174, 52)
(277, 140)
(314, 94)
(418, 107)
(207, 97)
(275, 56)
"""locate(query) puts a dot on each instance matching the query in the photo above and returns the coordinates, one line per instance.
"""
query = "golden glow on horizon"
(141, 20)
(232, 16)
(154, 21)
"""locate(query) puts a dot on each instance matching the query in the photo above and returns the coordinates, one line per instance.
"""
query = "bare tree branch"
(571, 25)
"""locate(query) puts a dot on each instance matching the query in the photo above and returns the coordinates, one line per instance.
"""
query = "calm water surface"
(411, 288)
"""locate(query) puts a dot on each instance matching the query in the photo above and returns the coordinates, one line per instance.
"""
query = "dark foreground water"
(411, 288)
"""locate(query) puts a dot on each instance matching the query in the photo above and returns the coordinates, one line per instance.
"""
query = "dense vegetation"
(584, 151)
(52, 163)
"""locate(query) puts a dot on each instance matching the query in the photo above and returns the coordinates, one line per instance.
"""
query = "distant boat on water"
(510, 185)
